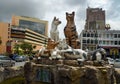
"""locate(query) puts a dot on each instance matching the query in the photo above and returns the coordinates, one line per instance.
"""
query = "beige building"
(23, 29)
(28, 29)
(5, 37)
(35, 24)
(19, 35)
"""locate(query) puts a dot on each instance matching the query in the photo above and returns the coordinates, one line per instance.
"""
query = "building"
(110, 41)
(28, 29)
(5, 37)
(23, 29)
(95, 19)
(96, 34)
(19, 35)
(34, 24)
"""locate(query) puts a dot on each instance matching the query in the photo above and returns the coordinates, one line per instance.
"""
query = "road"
(19, 64)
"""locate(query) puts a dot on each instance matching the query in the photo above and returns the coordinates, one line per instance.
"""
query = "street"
(19, 63)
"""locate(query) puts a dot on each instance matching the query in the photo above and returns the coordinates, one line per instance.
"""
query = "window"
(88, 35)
(35, 26)
(115, 35)
(91, 35)
(8, 29)
(103, 42)
(118, 35)
(119, 42)
(84, 34)
(96, 35)
(8, 25)
(91, 41)
(115, 42)
(88, 41)
(84, 41)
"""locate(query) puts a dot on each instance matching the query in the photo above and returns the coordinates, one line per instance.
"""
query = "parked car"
(25, 58)
(117, 63)
(19, 58)
(6, 61)
(110, 61)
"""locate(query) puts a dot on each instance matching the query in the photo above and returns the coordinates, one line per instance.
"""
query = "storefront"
(113, 52)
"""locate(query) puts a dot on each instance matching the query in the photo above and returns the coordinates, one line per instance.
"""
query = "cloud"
(75, 2)
(113, 12)
(21, 7)
(47, 9)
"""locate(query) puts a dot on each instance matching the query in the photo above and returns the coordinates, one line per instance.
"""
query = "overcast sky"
(47, 9)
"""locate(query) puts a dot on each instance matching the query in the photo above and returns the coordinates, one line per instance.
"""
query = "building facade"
(5, 37)
(28, 29)
(96, 34)
(26, 35)
(23, 29)
(95, 19)
(107, 39)
(34, 24)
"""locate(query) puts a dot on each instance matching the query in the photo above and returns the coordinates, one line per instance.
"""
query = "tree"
(16, 48)
(26, 47)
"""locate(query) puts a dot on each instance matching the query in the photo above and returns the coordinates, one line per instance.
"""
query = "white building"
(107, 39)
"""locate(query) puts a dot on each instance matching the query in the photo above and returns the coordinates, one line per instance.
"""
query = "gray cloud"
(75, 2)
(21, 7)
(113, 12)
(47, 9)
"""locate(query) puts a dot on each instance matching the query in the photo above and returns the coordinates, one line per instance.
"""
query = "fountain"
(63, 62)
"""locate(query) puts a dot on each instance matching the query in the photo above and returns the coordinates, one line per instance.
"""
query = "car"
(6, 61)
(117, 63)
(19, 58)
(110, 61)
(25, 58)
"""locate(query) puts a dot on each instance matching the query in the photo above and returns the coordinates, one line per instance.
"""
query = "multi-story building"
(23, 29)
(28, 29)
(5, 37)
(95, 19)
(107, 39)
(97, 34)
(34, 24)
(19, 35)
(110, 41)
